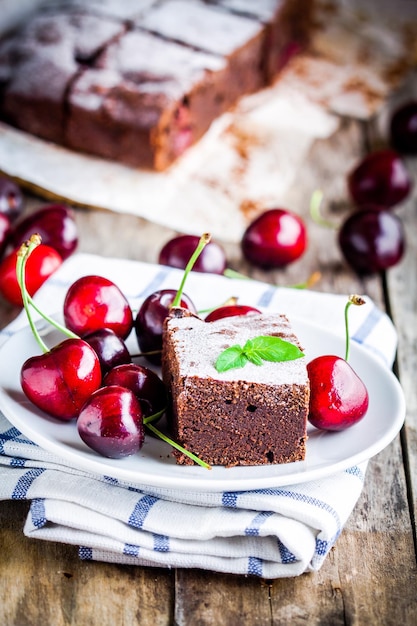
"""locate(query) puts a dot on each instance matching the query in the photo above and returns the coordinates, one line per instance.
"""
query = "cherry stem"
(139, 355)
(176, 445)
(151, 418)
(358, 301)
(232, 301)
(154, 416)
(310, 282)
(204, 240)
(307, 284)
(315, 212)
(23, 254)
(229, 273)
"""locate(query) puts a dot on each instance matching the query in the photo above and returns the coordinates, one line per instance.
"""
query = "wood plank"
(46, 583)
(402, 286)
(207, 598)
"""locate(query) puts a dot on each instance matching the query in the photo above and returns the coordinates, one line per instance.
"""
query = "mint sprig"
(257, 350)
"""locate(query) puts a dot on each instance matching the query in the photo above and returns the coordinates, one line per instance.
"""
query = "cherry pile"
(372, 238)
(91, 377)
(56, 225)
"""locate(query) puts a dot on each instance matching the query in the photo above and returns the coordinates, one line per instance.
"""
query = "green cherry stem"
(204, 240)
(232, 301)
(23, 254)
(315, 210)
(307, 284)
(154, 416)
(310, 282)
(229, 273)
(151, 418)
(358, 301)
(177, 446)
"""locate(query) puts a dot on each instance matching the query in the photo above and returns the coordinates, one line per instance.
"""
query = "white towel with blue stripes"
(267, 532)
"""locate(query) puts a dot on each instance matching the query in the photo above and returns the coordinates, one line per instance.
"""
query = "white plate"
(154, 466)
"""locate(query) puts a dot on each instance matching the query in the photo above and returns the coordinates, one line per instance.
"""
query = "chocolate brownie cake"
(255, 415)
(38, 64)
(288, 28)
(141, 82)
(137, 108)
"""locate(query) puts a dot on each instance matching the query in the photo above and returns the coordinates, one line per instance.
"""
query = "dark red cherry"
(55, 224)
(381, 178)
(111, 422)
(60, 381)
(178, 251)
(4, 232)
(372, 241)
(231, 310)
(150, 320)
(274, 239)
(145, 384)
(403, 128)
(95, 302)
(109, 347)
(338, 397)
(11, 198)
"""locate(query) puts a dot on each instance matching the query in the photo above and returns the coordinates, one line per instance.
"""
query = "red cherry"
(60, 381)
(42, 263)
(230, 310)
(4, 232)
(11, 199)
(111, 422)
(274, 239)
(145, 384)
(95, 302)
(109, 347)
(150, 320)
(55, 224)
(177, 252)
(381, 178)
(372, 241)
(403, 128)
(338, 397)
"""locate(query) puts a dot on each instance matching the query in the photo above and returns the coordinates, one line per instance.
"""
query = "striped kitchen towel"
(268, 532)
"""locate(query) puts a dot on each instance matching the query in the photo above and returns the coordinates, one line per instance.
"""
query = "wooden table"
(368, 578)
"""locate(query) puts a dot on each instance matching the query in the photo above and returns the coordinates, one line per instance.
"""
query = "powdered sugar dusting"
(199, 343)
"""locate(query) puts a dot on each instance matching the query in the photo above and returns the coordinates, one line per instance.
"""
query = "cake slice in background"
(140, 84)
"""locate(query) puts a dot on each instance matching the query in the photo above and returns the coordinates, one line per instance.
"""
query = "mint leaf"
(249, 350)
(230, 358)
(272, 349)
(257, 350)
(253, 357)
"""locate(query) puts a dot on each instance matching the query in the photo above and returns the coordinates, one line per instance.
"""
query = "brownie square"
(289, 25)
(43, 60)
(126, 10)
(237, 38)
(255, 415)
(146, 101)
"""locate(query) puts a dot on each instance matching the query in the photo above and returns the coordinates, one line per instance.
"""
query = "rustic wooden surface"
(369, 577)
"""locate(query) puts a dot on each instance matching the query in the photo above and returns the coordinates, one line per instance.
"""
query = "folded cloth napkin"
(268, 532)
